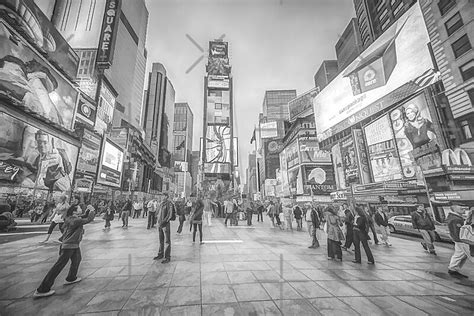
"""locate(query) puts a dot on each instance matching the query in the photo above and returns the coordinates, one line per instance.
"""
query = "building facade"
(326, 73)
(182, 147)
(349, 46)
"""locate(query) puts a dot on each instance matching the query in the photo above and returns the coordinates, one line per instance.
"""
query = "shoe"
(311, 247)
(371, 262)
(158, 258)
(166, 260)
(433, 253)
(72, 282)
(344, 248)
(424, 246)
(457, 274)
(38, 294)
(355, 261)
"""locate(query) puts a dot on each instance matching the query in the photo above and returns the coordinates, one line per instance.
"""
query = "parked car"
(402, 224)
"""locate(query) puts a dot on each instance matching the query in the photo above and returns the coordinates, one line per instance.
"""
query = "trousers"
(334, 249)
(64, 256)
(361, 237)
(460, 256)
(165, 241)
(428, 239)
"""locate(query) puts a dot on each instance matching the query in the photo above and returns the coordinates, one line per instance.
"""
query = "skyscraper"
(326, 72)
(275, 104)
(349, 46)
(182, 147)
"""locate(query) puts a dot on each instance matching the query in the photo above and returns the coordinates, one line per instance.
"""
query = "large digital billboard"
(33, 158)
(218, 144)
(319, 179)
(398, 56)
(105, 108)
(110, 170)
(89, 153)
(27, 80)
(302, 104)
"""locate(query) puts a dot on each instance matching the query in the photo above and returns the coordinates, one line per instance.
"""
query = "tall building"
(194, 167)
(376, 16)
(349, 46)
(251, 175)
(326, 73)
(182, 147)
(154, 104)
(275, 104)
(80, 22)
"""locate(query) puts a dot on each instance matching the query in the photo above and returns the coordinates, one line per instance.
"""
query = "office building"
(275, 104)
(325, 74)
(349, 46)
(182, 147)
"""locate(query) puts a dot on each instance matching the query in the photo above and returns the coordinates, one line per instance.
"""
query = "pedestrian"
(196, 219)
(361, 236)
(152, 208)
(287, 214)
(38, 211)
(126, 209)
(271, 212)
(276, 214)
(349, 222)
(69, 250)
(165, 213)
(381, 225)
(208, 210)
(137, 208)
(58, 215)
(248, 207)
(181, 217)
(422, 221)
(370, 221)
(228, 209)
(297, 213)
(109, 215)
(48, 208)
(313, 225)
(462, 252)
(145, 208)
(260, 208)
(335, 234)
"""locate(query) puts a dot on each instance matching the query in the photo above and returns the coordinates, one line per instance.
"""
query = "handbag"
(466, 234)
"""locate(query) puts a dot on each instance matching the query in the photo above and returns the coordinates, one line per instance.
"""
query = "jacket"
(361, 224)
(315, 218)
(297, 212)
(422, 220)
(381, 219)
(349, 220)
(165, 213)
(73, 230)
(197, 216)
(455, 222)
(333, 226)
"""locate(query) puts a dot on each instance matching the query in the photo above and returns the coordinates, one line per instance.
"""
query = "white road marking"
(232, 241)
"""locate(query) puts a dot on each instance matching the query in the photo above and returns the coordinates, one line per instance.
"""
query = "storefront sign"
(108, 34)
(339, 195)
(467, 195)
(362, 156)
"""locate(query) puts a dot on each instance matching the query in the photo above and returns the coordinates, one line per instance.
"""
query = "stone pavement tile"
(310, 289)
(281, 291)
(229, 309)
(294, 275)
(184, 267)
(137, 270)
(318, 275)
(89, 285)
(158, 267)
(19, 278)
(50, 306)
(296, 307)
(259, 308)
(214, 278)
(372, 288)
(177, 296)
(107, 301)
(465, 302)
(393, 306)
(362, 305)
(355, 275)
(430, 306)
(190, 310)
(212, 267)
(398, 275)
(124, 283)
(300, 264)
(19, 290)
(142, 300)
(458, 285)
(438, 288)
(111, 313)
(212, 294)
(241, 277)
(106, 272)
(182, 279)
(4, 303)
(159, 280)
(250, 292)
(338, 288)
(267, 276)
(332, 306)
(95, 263)
(277, 265)
(424, 275)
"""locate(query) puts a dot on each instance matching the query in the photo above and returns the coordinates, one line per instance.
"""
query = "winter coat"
(455, 222)
(422, 220)
(73, 230)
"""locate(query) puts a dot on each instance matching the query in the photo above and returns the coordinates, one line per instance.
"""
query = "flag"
(253, 137)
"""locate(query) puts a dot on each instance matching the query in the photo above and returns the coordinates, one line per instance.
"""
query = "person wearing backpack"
(166, 213)
(461, 250)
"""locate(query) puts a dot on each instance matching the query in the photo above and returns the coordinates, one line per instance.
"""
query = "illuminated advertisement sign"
(319, 179)
(292, 157)
(110, 170)
(89, 153)
(27, 80)
(269, 130)
(105, 110)
(108, 34)
(33, 158)
(349, 159)
(338, 166)
(218, 144)
(218, 82)
(310, 152)
(400, 55)
(86, 111)
(362, 156)
(383, 153)
(41, 33)
(302, 104)
(218, 49)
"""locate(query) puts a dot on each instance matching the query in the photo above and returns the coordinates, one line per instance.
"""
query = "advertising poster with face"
(27, 80)
(349, 158)
(383, 154)
(413, 128)
(320, 179)
(338, 166)
(32, 158)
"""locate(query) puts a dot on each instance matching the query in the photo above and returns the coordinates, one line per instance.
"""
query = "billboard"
(383, 154)
(33, 158)
(302, 104)
(89, 154)
(218, 107)
(105, 108)
(218, 49)
(362, 157)
(292, 157)
(269, 130)
(319, 179)
(349, 160)
(26, 80)
(398, 56)
(310, 152)
(413, 128)
(218, 144)
(338, 166)
(218, 82)
(110, 169)
(108, 34)
(216, 168)
(86, 111)
(41, 33)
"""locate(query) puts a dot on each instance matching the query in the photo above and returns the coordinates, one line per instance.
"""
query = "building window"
(384, 14)
(467, 70)
(86, 63)
(385, 24)
(470, 93)
(398, 8)
(466, 130)
(453, 24)
(445, 5)
(379, 6)
(218, 106)
(461, 46)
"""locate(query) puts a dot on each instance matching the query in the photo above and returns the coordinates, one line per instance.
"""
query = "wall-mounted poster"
(383, 153)
(338, 166)
(349, 159)
(33, 158)
(27, 80)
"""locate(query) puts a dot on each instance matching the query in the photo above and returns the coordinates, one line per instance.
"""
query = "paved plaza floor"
(237, 271)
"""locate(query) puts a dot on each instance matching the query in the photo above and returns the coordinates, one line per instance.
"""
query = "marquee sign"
(108, 34)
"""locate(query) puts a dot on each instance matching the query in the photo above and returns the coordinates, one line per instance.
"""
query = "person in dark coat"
(197, 219)
(349, 222)
(181, 216)
(422, 221)
(361, 235)
(315, 224)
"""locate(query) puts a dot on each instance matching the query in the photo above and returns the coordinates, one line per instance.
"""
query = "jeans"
(249, 218)
(428, 239)
(151, 219)
(136, 213)
(460, 256)
(310, 228)
(349, 236)
(52, 225)
(299, 224)
(181, 222)
(195, 227)
(125, 218)
(361, 237)
(334, 249)
(207, 218)
(259, 217)
(227, 217)
(165, 241)
(64, 256)
(145, 212)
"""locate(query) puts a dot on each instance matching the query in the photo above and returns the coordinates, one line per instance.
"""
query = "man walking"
(422, 221)
(461, 250)
(137, 208)
(145, 208)
(152, 206)
(180, 212)
(313, 226)
(228, 209)
(260, 208)
(69, 250)
(165, 213)
(297, 214)
(208, 210)
(381, 225)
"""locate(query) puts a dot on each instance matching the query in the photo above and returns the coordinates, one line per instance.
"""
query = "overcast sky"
(273, 44)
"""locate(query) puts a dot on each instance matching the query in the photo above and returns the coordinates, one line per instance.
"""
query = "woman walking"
(335, 234)
(197, 219)
(349, 221)
(361, 235)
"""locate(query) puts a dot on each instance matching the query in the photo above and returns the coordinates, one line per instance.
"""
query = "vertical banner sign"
(362, 157)
(108, 34)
